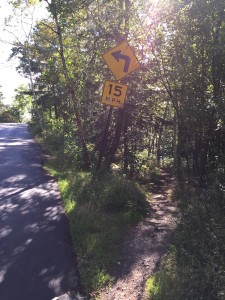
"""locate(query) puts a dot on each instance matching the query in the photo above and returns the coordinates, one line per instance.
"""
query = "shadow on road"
(36, 257)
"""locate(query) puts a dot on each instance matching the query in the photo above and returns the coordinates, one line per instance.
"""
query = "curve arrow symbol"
(117, 55)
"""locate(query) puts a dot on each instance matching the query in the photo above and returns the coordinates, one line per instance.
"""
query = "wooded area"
(173, 120)
(174, 108)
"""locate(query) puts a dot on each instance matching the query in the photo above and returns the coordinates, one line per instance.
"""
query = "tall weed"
(113, 193)
(195, 266)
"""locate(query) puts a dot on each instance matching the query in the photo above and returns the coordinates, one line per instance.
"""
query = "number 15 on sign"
(114, 94)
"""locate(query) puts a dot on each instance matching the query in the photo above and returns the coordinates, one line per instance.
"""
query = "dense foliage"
(174, 107)
(194, 266)
(174, 114)
(8, 114)
(17, 112)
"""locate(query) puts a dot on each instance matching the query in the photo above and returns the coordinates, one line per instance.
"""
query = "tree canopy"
(175, 102)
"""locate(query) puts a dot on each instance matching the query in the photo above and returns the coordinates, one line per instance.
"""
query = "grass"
(97, 240)
(100, 209)
(194, 268)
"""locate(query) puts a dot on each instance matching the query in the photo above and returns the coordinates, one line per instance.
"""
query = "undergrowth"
(194, 268)
(100, 209)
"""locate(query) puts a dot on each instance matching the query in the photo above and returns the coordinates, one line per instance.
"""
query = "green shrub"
(110, 193)
(151, 286)
(54, 139)
(35, 129)
(149, 171)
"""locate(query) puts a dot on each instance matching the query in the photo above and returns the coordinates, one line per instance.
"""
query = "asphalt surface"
(37, 261)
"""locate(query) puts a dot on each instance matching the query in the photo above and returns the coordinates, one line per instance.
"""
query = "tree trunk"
(115, 143)
(125, 146)
(72, 95)
(104, 139)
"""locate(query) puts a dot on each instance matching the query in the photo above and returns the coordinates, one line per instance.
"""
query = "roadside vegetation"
(194, 268)
(100, 208)
(173, 119)
(8, 114)
(18, 111)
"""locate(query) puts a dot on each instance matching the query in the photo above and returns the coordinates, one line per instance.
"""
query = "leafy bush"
(9, 114)
(34, 129)
(110, 193)
(54, 139)
(148, 170)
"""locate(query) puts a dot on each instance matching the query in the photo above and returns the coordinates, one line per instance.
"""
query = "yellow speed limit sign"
(114, 94)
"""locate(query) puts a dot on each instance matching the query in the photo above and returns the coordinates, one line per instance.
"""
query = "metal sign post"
(122, 61)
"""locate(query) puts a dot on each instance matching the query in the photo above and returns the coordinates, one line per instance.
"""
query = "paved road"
(36, 257)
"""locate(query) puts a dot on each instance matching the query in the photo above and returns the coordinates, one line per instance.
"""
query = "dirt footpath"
(145, 245)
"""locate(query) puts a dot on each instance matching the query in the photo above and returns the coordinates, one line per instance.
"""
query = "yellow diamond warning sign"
(114, 94)
(121, 60)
